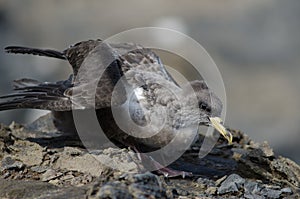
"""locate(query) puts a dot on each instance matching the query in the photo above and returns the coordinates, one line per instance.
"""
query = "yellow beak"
(216, 123)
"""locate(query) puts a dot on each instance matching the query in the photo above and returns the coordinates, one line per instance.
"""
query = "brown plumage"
(142, 69)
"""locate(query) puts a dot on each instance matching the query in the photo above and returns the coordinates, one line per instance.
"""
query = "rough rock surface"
(37, 163)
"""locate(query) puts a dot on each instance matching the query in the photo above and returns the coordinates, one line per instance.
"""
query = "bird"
(150, 118)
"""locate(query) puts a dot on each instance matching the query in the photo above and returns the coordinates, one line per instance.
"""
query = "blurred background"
(254, 43)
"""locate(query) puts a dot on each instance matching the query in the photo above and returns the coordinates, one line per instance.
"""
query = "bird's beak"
(216, 123)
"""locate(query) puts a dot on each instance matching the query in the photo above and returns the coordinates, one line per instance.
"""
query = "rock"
(114, 190)
(251, 187)
(43, 124)
(72, 159)
(8, 163)
(6, 138)
(251, 190)
(287, 169)
(232, 184)
(121, 160)
(286, 190)
(211, 190)
(50, 175)
(41, 166)
(39, 169)
(219, 181)
(206, 182)
(253, 196)
(132, 186)
(32, 156)
(271, 193)
(263, 149)
(36, 189)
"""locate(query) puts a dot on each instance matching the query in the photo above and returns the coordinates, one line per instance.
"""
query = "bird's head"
(210, 108)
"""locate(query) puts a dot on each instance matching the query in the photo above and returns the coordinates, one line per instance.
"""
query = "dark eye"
(204, 106)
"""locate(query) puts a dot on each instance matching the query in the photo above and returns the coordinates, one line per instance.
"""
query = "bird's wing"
(100, 71)
(136, 57)
(111, 66)
(76, 53)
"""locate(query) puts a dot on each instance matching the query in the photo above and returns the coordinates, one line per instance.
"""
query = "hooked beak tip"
(216, 122)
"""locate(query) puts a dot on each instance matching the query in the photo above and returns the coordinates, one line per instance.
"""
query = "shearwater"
(151, 106)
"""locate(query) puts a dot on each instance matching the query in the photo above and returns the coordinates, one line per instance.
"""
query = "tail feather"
(20, 103)
(24, 82)
(35, 51)
(34, 94)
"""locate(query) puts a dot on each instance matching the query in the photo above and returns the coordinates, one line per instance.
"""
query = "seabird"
(157, 98)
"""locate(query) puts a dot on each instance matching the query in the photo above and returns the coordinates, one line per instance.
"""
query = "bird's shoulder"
(76, 53)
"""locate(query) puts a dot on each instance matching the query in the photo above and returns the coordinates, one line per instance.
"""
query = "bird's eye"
(204, 106)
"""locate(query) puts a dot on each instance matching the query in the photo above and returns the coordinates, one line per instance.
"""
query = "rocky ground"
(36, 164)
